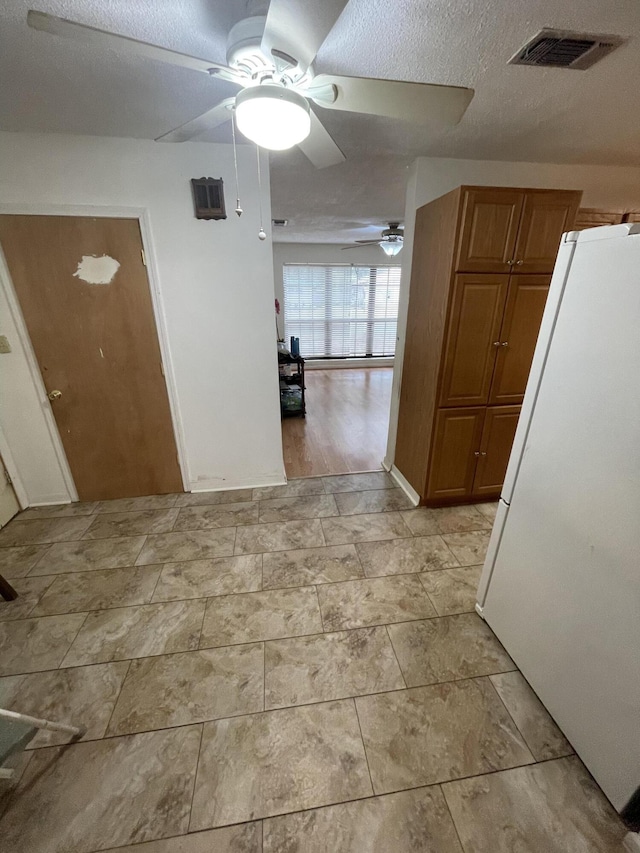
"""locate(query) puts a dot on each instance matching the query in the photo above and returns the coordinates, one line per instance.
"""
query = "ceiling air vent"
(280, 223)
(564, 49)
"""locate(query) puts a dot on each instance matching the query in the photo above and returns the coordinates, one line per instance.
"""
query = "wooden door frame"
(141, 214)
(10, 465)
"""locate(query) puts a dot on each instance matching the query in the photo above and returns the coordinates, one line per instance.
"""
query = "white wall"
(607, 187)
(216, 289)
(326, 253)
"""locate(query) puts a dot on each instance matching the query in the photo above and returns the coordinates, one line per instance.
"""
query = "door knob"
(54, 395)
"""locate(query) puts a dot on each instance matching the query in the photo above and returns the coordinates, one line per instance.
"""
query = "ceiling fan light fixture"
(391, 249)
(273, 117)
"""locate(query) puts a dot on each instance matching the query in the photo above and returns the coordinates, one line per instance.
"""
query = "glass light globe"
(391, 249)
(273, 117)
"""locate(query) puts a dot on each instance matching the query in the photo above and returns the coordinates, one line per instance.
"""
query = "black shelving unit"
(291, 383)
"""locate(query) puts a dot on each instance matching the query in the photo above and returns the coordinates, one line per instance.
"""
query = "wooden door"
(522, 317)
(456, 442)
(472, 339)
(490, 219)
(497, 437)
(590, 217)
(84, 293)
(546, 215)
(9, 505)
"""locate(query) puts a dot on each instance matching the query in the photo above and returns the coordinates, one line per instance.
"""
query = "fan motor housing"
(244, 52)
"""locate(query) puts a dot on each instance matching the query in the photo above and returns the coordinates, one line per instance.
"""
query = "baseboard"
(49, 502)
(344, 363)
(405, 485)
(230, 486)
(631, 842)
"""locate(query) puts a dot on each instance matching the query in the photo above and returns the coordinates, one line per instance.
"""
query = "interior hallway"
(293, 668)
(345, 430)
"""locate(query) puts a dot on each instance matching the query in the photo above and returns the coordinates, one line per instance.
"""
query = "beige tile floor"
(293, 669)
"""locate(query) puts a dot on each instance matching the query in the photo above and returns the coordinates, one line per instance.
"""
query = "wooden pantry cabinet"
(481, 269)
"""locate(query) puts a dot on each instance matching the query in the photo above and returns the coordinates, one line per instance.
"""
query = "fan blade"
(369, 241)
(319, 146)
(295, 29)
(344, 248)
(103, 38)
(422, 103)
(207, 121)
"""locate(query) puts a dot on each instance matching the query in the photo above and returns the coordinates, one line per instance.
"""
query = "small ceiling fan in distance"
(270, 58)
(391, 243)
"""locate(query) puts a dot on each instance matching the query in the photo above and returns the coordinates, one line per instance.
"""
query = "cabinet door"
(473, 331)
(522, 317)
(490, 221)
(453, 460)
(589, 217)
(546, 215)
(497, 437)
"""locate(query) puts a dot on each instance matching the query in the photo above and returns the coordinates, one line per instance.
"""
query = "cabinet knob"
(476, 453)
(482, 453)
(511, 263)
(519, 263)
(504, 344)
(496, 344)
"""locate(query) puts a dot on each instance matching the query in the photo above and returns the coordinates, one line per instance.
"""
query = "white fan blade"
(368, 242)
(319, 146)
(207, 121)
(297, 28)
(422, 103)
(113, 41)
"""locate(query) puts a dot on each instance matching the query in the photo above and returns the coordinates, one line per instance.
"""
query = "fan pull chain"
(261, 233)
(235, 161)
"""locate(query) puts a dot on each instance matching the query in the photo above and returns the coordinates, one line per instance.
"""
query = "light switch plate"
(5, 346)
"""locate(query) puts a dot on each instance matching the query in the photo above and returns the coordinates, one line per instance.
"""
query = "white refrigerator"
(561, 583)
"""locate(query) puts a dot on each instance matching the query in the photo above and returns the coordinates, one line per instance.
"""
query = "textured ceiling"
(50, 84)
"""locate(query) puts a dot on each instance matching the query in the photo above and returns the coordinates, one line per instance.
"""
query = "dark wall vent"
(280, 223)
(208, 198)
(564, 49)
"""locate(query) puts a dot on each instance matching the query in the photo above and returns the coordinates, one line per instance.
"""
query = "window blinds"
(341, 311)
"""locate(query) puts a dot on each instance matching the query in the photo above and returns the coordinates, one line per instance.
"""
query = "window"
(342, 311)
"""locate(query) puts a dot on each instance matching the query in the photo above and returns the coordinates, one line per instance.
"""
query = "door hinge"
(144, 259)
(7, 477)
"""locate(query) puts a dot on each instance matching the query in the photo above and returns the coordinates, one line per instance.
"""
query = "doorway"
(345, 318)
(83, 289)
(346, 425)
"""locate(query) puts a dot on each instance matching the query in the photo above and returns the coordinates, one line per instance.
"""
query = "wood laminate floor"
(345, 430)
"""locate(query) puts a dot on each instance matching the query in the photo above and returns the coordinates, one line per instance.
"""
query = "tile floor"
(293, 669)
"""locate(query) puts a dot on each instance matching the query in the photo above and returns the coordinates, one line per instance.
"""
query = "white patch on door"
(96, 270)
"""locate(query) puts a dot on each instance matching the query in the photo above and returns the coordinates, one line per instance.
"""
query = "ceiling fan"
(270, 58)
(391, 243)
